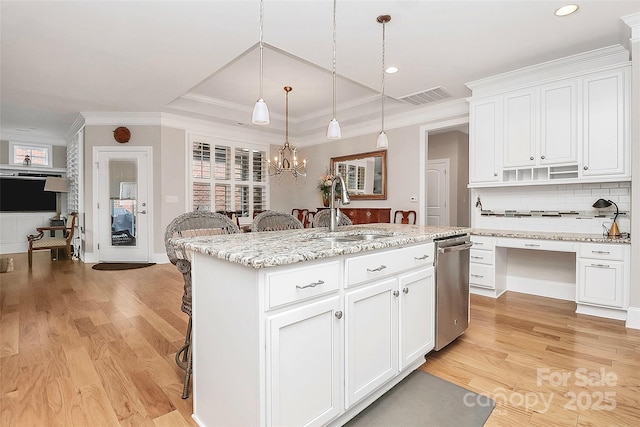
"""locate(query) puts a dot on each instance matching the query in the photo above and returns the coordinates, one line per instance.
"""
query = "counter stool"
(192, 224)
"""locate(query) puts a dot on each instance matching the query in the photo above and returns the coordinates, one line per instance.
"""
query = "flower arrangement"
(324, 184)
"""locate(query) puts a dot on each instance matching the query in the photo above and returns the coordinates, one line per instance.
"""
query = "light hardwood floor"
(80, 347)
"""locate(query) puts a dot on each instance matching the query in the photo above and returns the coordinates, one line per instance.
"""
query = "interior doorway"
(122, 215)
(438, 193)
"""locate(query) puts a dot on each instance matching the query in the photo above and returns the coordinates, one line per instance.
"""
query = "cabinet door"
(604, 132)
(601, 282)
(519, 129)
(371, 315)
(484, 140)
(558, 123)
(303, 365)
(417, 310)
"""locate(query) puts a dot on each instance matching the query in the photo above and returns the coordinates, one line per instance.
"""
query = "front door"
(122, 203)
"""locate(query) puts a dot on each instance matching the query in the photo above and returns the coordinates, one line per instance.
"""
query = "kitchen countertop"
(570, 237)
(274, 248)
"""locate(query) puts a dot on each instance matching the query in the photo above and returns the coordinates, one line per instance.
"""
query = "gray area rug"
(422, 399)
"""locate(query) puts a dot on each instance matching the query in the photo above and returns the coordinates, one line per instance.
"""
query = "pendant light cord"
(261, 48)
(383, 52)
(334, 59)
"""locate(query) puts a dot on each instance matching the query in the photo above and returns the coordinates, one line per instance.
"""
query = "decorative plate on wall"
(122, 134)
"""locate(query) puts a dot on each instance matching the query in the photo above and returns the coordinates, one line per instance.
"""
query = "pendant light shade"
(383, 141)
(260, 110)
(333, 130)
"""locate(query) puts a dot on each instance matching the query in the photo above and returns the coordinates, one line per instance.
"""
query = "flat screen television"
(25, 194)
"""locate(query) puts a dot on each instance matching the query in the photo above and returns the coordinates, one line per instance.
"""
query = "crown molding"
(99, 118)
(457, 108)
(602, 58)
(633, 21)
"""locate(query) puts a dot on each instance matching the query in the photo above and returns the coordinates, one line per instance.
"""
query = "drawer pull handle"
(478, 243)
(382, 267)
(532, 245)
(600, 265)
(405, 290)
(311, 285)
(477, 275)
(339, 314)
(601, 252)
(477, 257)
(421, 258)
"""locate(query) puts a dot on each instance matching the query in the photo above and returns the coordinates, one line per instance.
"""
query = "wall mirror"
(365, 174)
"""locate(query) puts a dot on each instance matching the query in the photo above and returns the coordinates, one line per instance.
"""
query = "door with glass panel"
(122, 204)
(229, 178)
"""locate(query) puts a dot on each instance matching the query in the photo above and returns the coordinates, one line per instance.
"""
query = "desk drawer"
(382, 264)
(481, 275)
(481, 256)
(537, 244)
(301, 283)
(600, 251)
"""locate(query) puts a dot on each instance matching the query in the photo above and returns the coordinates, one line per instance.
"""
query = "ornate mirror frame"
(379, 158)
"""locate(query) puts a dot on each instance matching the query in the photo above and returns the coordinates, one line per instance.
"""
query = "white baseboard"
(609, 313)
(633, 318)
(485, 292)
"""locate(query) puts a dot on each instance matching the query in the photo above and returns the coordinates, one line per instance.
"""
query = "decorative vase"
(326, 199)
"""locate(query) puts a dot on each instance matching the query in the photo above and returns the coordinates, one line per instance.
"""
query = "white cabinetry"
(603, 279)
(304, 365)
(485, 140)
(310, 344)
(605, 130)
(482, 268)
(548, 125)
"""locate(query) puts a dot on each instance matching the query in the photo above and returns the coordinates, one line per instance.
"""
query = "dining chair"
(192, 224)
(274, 221)
(323, 219)
(406, 217)
(302, 215)
(53, 241)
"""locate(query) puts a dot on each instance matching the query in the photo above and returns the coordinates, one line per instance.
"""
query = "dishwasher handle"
(456, 248)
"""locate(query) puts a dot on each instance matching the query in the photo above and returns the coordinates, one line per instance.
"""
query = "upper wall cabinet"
(605, 139)
(553, 127)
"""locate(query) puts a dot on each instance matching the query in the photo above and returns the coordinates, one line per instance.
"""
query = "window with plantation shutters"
(228, 177)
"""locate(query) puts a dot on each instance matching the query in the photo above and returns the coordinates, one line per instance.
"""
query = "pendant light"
(260, 110)
(383, 141)
(333, 130)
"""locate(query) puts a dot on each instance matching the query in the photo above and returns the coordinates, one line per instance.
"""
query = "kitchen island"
(308, 327)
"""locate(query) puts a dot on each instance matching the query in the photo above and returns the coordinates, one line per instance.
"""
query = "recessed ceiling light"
(566, 10)
(391, 70)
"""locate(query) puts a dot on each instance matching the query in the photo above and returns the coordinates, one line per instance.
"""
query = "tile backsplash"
(559, 197)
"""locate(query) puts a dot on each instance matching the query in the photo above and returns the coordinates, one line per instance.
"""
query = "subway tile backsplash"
(553, 198)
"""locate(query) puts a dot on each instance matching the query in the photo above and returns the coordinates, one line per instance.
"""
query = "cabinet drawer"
(599, 251)
(483, 242)
(298, 284)
(382, 264)
(481, 275)
(541, 245)
(481, 256)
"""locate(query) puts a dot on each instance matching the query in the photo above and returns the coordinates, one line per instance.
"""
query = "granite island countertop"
(542, 235)
(274, 248)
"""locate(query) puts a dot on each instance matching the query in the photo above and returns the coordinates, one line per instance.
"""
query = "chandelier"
(287, 160)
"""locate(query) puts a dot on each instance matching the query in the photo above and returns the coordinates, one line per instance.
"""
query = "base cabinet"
(304, 365)
(296, 346)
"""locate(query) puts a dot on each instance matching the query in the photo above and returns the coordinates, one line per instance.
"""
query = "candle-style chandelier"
(287, 160)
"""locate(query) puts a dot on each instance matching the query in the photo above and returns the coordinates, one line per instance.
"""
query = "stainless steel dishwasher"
(452, 288)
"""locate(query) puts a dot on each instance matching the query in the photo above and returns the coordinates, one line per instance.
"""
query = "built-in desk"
(592, 270)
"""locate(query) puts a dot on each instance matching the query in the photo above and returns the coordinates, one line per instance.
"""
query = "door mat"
(422, 399)
(121, 265)
(6, 264)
